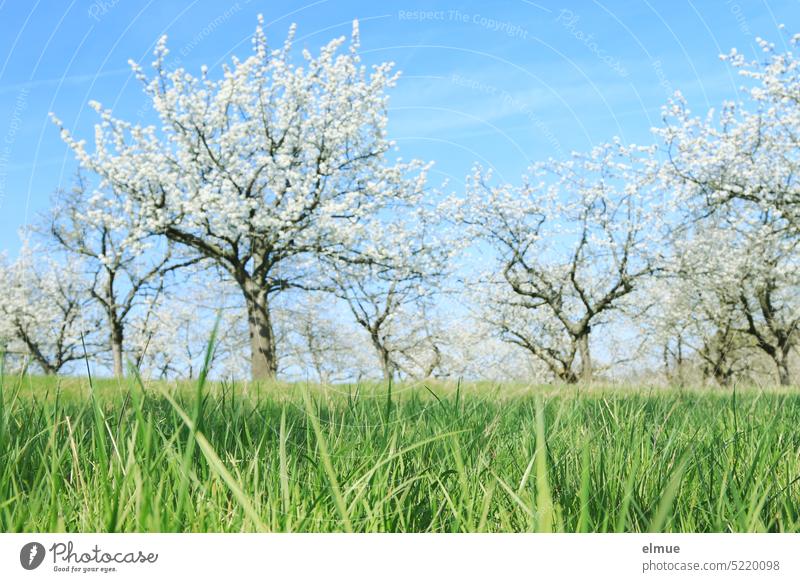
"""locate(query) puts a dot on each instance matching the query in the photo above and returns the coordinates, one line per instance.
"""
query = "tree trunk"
(679, 361)
(567, 376)
(38, 357)
(116, 338)
(784, 377)
(48, 369)
(387, 366)
(715, 365)
(263, 354)
(586, 357)
(722, 378)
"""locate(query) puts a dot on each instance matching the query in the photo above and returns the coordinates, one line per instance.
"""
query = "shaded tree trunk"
(263, 353)
(38, 357)
(678, 374)
(783, 374)
(784, 335)
(116, 340)
(567, 376)
(716, 362)
(47, 368)
(586, 357)
(387, 366)
(116, 327)
(317, 361)
(782, 363)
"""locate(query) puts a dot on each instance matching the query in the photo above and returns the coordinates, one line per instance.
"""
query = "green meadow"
(134, 456)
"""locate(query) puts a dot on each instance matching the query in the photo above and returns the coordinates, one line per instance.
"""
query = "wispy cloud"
(77, 79)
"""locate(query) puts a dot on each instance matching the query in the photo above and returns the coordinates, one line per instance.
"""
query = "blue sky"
(501, 83)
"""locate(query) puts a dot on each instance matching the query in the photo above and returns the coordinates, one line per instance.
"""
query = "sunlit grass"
(156, 456)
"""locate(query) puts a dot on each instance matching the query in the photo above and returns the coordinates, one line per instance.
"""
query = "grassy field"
(122, 456)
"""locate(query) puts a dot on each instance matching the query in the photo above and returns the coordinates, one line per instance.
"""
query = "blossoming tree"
(749, 153)
(734, 177)
(263, 171)
(389, 298)
(567, 250)
(46, 316)
(745, 277)
(123, 266)
(693, 314)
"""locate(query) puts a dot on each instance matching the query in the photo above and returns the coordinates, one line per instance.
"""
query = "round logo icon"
(31, 555)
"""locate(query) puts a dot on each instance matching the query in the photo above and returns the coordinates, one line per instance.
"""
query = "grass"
(217, 457)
